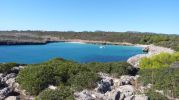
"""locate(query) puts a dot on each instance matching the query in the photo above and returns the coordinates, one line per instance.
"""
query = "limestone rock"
(52, 87)
(11, 98)
(140, 97)
(10, 82)
(4, 92)
(105, 86)
(84, 95)
(8, 76)
(126, 80)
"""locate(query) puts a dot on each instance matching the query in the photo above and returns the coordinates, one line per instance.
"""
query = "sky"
(159, 16)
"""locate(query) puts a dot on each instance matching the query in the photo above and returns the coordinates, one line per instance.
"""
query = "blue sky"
(161, 16)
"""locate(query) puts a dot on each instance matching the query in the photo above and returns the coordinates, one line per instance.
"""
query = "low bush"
(165, 79)
(5, 68)
(115, 68)
(35, 78)
(63, 93)
(155, 96)
(59, 72)
(162, 60)
(83, 80)
(157, 70)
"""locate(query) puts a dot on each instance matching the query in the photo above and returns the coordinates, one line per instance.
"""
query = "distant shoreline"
(61, 40)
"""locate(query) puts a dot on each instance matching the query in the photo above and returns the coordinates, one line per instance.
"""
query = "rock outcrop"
(152, 50)
(110, 88)
(8, 84)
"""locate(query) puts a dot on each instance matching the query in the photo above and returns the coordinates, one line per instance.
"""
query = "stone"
(145, 49)
(52, 87)
(130, 98)
(21, 67)
(84, 95)
(140, 97)
(136, 97)
(119, 96)
(8, 76)
(1, 78)
(15, 70)
(4, 92)
(126, 80)
(10, 82)
(16, 87)
(11, 98)
(127, 90)
(105, 86)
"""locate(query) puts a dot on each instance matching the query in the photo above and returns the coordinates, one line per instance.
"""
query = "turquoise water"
(78, 52)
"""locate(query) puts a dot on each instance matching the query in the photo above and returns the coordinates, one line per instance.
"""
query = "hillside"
(42, 37)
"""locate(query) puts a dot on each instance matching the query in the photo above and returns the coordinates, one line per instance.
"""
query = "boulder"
(130, 98)
(105, 85)
(11, 98)
(136, 97)
(127, 90)
(8, 76)
(15, 70)
(146, 49)
(52, 87)
(84, 95)
(140, 97)
(119, 96)
(4, 92)
(127, 80)
(10, 82)
(1, 77)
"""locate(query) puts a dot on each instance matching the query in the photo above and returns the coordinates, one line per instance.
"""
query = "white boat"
(101, 47)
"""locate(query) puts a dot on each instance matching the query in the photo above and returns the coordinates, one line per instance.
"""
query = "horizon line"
(89, 31)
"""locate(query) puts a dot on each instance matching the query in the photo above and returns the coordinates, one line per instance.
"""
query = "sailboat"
(101, 46)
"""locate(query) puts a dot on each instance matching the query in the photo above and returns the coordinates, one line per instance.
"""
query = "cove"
(79, 52)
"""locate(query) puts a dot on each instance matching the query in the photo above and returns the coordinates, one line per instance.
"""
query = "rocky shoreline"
(152, 50)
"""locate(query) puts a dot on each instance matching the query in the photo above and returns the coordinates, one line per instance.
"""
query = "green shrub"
(161, 60)
(115, 68)
(35, 78)
(4, 68)
(155, 96)
(58, 94)
(162, 79)
(84, 80)
(156, 70)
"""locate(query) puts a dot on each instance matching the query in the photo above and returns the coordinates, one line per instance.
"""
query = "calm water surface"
(78, 52)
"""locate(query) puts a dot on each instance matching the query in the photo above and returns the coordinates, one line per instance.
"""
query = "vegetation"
(59, 72)
(62, 93)
(157, 71)
(171, 41)
(5, 68)
(114, 68)
(155, 96)
(161, 60)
